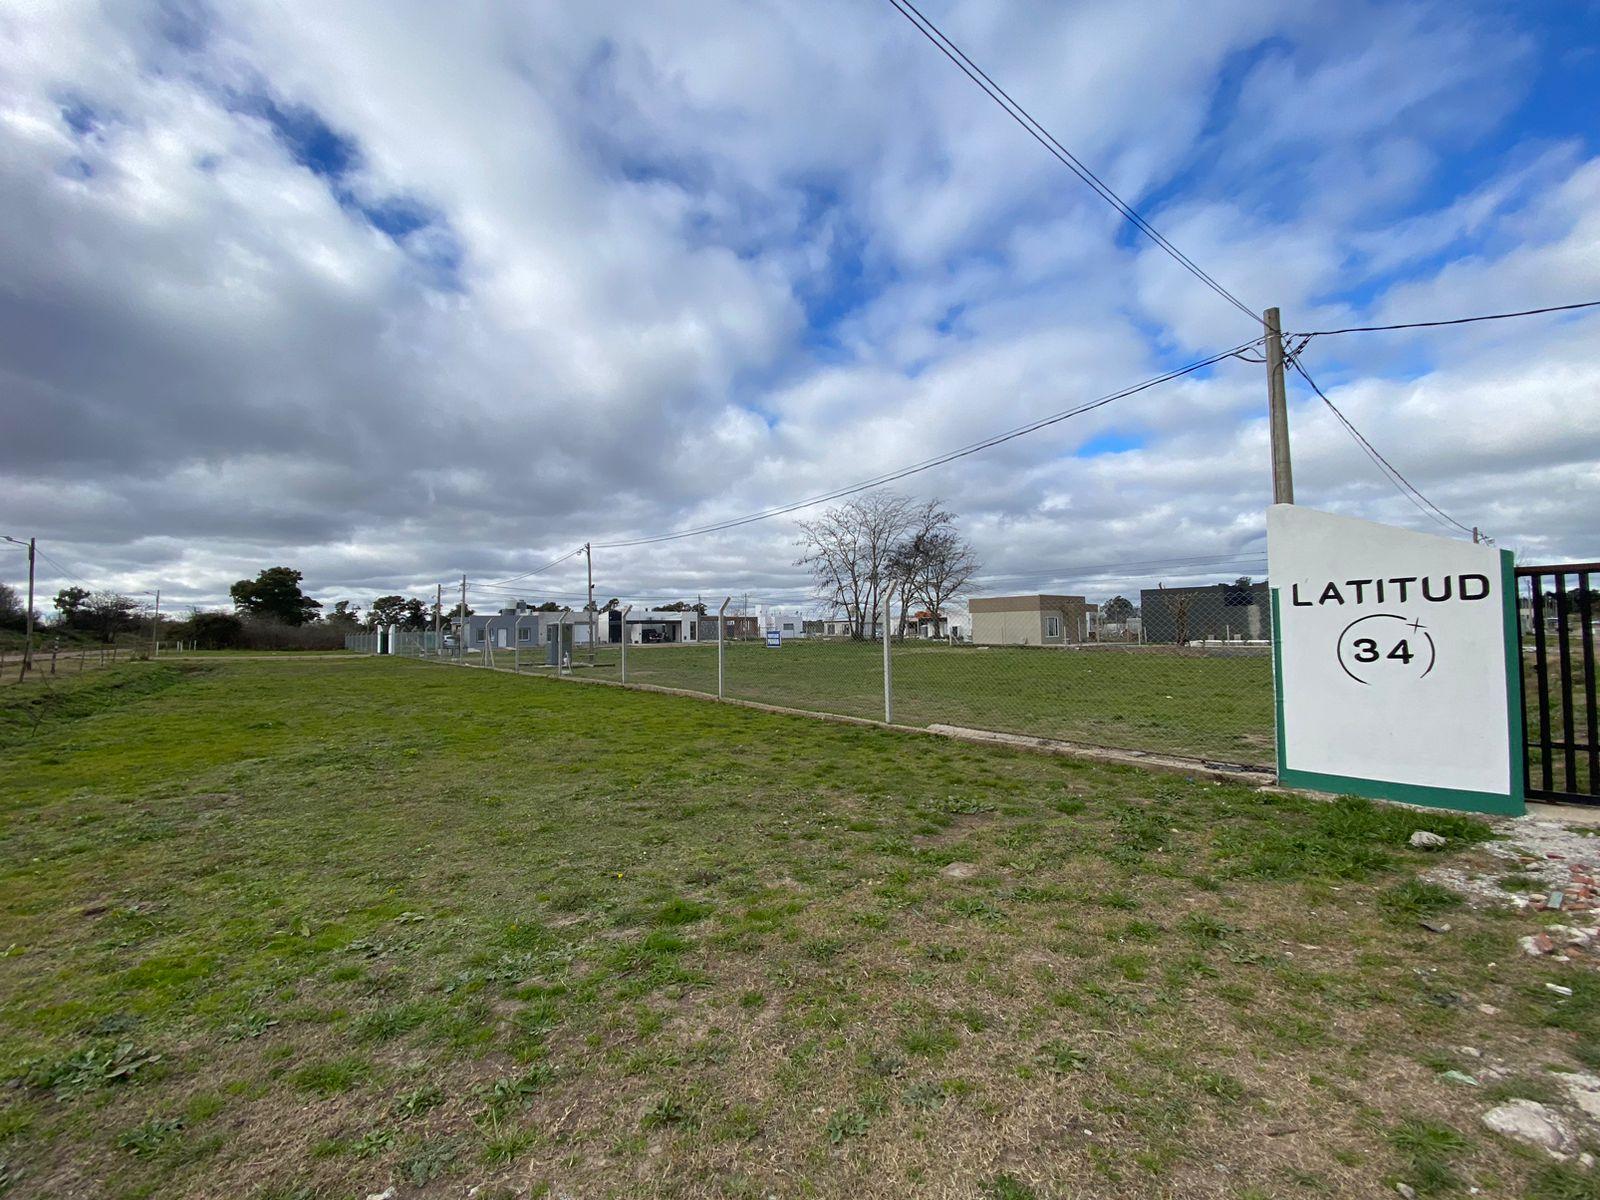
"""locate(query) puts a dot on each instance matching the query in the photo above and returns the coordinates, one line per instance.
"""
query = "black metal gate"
(1558, 610)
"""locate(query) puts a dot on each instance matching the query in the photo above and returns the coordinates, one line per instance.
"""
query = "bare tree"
(947, 566)
(926, 523)
(848, 550)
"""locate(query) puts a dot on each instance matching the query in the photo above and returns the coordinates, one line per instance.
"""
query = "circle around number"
(1338, 646)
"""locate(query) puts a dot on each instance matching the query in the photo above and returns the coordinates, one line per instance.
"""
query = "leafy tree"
(415, 615)
(69, 604)
(13, 612)
(343, 616)
(386, 610)
(216, 630)
(275, 593)
(110, 613)
(1238, 592)
(1117, 610)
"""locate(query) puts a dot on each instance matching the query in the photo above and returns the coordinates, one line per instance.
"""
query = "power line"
(1044, 137)
(64, 571)
(1403, 485)
(1527, 312)
(936, 461)
(552, 563)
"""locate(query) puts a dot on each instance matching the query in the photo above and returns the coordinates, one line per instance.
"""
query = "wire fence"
(1184, 671)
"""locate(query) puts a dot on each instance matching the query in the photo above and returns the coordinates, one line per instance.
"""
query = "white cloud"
(573, 273)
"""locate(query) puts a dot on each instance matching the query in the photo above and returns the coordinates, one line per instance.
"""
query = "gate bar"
(1564, 662)
(1586, 618)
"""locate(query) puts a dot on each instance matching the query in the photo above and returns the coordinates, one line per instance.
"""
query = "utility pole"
(461, 634)
(155, 628)
(1278, 409)
(1475, 535)
(27, 648)
(438, 619)
(588, 558)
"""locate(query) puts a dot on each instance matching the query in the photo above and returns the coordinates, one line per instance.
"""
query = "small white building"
(785, 622)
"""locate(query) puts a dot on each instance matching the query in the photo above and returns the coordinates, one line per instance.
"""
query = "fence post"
(563, 662)
(888, 673)
(721, 621)
(626, 609)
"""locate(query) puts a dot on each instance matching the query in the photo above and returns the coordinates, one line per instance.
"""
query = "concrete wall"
(1026, 624)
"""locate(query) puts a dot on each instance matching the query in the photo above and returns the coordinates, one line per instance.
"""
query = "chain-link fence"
(1177, 670)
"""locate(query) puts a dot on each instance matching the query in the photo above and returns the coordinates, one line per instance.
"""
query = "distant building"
(735, 628)
(1038, 620)
(786, 623)
(1213, 613)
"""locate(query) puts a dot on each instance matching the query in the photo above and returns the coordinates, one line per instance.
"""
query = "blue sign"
(774, 639)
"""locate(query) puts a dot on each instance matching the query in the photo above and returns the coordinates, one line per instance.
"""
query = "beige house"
(1028, 620)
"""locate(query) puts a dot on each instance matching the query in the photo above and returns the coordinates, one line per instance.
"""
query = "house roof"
(1036, 603)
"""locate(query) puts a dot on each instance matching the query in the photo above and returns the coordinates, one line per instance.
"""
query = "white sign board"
(1395, 656)
(774, 639)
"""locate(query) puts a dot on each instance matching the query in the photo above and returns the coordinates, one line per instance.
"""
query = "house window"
(477, 635)
(1052, 627)
(788, 627)
(523, 634)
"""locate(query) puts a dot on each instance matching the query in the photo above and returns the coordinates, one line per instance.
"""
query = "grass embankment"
(308, 929)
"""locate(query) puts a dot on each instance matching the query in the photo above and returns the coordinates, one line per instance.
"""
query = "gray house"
(1216, 612)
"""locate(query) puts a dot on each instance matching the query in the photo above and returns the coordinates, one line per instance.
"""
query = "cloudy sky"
(389, 292)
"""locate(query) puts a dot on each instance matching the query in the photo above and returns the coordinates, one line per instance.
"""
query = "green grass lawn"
(313, 927)
(1215, 705)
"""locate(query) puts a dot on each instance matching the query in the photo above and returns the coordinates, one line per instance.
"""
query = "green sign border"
(1512, 803)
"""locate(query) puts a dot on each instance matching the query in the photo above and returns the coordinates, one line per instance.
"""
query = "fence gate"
(1559, 609)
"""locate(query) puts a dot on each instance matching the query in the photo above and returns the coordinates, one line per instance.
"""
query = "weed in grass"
(1428, 1148)
(149, 1136)
(944, 954)
(739, 1124)
(509, 1091)
(924, 1095)
(503, 1148)
(253, 1026)
(664, 1111)
(389, 1023)
(1060, 1057)
(373, 1143)
(203, 1107)
(1414, 898)
(1563, 1182)
(682, 912)
(431, 1160)
(329, 1078)
(1518, 882)
(846, 1123)
(929, 1041)
(417, 1101)
(1008, 1187)
(752, 999)
(101, 1065)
